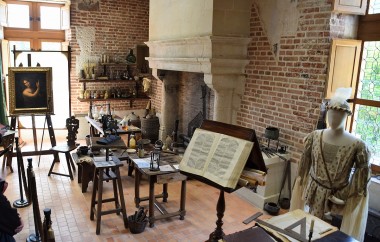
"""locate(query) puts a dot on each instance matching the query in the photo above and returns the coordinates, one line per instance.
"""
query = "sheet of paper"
(105, 163)
(176, 166)
(166, 168)
(101, 158)
(142, 163)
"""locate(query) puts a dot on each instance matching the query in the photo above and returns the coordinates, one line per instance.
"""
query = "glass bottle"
(132, 142)
(131, 58)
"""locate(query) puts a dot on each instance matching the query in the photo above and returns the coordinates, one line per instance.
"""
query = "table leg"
(80, 170)
(100, 199)
(107, 154)
(183, 200)
(151, 201)
(137, 187)
(165, 192)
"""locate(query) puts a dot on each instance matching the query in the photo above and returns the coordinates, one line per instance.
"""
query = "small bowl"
(272, 208)
(284, 203)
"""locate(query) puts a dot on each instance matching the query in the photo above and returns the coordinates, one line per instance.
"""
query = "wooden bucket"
(150, 128)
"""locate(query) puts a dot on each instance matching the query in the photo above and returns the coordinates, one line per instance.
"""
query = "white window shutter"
(3, 14)
(65, 17)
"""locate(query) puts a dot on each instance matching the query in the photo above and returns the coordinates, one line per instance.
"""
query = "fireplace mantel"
(221, 59)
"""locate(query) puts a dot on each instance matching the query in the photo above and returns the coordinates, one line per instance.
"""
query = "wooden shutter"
(3, 14)
(65, 17)
(350, 6)
(343, 65)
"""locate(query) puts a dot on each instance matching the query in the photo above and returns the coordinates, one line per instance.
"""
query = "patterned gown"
(343, 171)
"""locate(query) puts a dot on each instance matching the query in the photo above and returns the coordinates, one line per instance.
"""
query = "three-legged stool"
(107, 171)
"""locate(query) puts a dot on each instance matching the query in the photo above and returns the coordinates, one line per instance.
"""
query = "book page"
(198, 152)
(228, 160)
(217, 157)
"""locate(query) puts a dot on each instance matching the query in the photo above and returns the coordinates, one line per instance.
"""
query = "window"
(37, 26)
(18, 15)
(35, 21)
(373, 7)
(366, 119)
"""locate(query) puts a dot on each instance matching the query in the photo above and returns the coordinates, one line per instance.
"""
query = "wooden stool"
(107, 171)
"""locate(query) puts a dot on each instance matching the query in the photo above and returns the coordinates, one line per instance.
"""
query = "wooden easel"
(36, 152)
(255, 161)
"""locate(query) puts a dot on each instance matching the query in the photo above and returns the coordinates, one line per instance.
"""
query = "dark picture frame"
(30, 90)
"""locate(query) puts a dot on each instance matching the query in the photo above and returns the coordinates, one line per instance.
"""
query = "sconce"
(155, 156)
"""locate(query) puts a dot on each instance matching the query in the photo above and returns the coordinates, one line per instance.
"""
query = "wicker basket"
(136, 227)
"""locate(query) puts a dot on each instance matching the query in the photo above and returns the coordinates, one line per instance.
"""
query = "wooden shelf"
(112, 99)
(101, 80)
(117, 63)
(130, 99)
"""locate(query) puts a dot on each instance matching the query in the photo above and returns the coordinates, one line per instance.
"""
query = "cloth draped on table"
(327, 170)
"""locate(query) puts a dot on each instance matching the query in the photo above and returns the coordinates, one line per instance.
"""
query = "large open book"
(217, 157)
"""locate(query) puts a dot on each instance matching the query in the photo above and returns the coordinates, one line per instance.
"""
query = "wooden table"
(97, 130)
(160, 177)
(86, 165)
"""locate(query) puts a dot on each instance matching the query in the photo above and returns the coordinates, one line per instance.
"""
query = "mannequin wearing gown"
(333, 173)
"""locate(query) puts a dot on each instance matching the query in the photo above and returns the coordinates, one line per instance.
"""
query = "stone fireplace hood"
(221, 59)
(206, 36)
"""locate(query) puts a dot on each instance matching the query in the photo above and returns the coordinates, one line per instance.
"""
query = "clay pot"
(271, 208)
(272, 133)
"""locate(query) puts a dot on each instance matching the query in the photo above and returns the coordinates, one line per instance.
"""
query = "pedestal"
(271, 190)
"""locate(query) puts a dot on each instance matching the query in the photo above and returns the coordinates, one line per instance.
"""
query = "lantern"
(155, 156)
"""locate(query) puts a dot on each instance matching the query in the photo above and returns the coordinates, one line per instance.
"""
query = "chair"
(7, 144)
(72, 125)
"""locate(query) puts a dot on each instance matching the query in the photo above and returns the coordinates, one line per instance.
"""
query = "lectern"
(255, 161)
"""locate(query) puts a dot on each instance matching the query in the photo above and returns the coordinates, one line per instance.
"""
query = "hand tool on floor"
(253, 217)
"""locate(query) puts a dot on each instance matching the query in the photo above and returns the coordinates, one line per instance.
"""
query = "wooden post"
(220, 208)
(20, 203)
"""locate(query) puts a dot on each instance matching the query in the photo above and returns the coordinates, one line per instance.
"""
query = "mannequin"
(324, 183)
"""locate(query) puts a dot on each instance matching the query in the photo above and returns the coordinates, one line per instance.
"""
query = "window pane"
(51, 46)
(21, 58)
(18, 16)
(367, 127)
(50, 17)
(374, 7)
(369, 79)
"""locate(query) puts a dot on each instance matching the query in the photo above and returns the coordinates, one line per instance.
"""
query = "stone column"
(228, 91)
(170, 103)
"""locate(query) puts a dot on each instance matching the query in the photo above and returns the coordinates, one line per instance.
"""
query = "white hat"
(339, 100)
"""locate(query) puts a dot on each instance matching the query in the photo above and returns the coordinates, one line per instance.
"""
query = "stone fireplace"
(202, 42)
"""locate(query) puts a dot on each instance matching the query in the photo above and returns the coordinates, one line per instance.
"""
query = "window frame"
(367, 31)
(34, 34)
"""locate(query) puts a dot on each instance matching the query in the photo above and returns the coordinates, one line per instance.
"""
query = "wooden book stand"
(255, 161)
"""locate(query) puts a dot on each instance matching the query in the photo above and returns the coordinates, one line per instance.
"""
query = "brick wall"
(287, 93)
(119, 25)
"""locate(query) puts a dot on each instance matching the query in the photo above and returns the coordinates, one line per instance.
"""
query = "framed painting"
(30, 90)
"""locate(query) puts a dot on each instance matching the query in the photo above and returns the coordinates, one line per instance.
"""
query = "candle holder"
(155, 156)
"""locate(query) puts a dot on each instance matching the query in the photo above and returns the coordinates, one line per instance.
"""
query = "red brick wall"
(287, 93)
(119, 25)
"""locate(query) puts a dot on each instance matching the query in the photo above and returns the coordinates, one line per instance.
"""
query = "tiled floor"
(71, 214)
